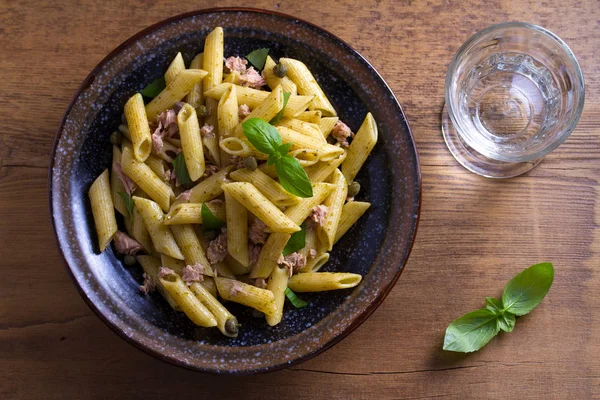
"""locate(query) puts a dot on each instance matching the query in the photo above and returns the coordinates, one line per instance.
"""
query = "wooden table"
(474, 235)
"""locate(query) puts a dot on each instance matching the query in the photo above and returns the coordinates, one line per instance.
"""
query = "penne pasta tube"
(351, 212)
(300, 141)
(278, 282)
(228, 119)
(311, 116)
(306, 128)
(322, 281)
(175, 91)
(236, 267)
(161, 236)
(209, 188)
(209, 284)
(195, 97)
(143, 176)
(116, 186)
(139, 129)
(189, 304)
(307, 85)
(254, 97)
(321, 171)
(103, 210)
(157, 165)
(212, 141)
(190, 247)
(360, 148)
(259, 205)
(124, 129)
(151, 266)
(305, 157)
(326, 125)
(139, 231)
(191, 213)
(315, 263)
(169, 262)
(270, 188)
(262, 300)
(226, 322)
(191, 142)
(176, 66)
(240, 147)
(273, 81)
(237, 230)
(266, 110)
(334, 203)
(213, 58)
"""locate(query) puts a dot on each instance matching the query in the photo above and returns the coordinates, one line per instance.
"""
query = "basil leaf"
(284, 149)
(471, 332)
(494, 305)
(526, 290)
(209, 219)
(277, 119)
(292, 177)
(258, 58)
(181, 171)
(295, 300)
(262, 135)
(296, 242)
(273, 158)
(507, 321)
(128, 200)
(154, 88)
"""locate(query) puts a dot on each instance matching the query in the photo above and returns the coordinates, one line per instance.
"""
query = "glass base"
(477, 162)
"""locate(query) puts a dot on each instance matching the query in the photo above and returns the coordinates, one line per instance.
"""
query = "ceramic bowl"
(377, 247)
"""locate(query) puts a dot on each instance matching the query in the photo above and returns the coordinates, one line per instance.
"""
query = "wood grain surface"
(474, 235)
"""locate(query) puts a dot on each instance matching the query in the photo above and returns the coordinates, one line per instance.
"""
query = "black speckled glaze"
(377, 247)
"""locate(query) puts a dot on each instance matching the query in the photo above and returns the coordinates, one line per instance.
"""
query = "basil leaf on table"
(296, 242)
(154, 88)
(471, 332)
(277, 118)
(128, 200)
(527, 289)
(292, 177)
(507, 321)
(494, 305)
(181, 171)
(262, 135)
(209, 219)
(295, 300)
(258, 58)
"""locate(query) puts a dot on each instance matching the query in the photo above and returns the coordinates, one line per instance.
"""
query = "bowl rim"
(355, 323)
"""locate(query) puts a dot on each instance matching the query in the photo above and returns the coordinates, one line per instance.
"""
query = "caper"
(210, 234)
(116, 137)
(353, 189)
(250, 163)
(202, 111)
(129, 260)
(231, 326)
(280, 70)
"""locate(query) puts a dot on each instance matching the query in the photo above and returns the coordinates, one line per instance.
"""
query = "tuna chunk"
(341, 132)
(258, 232)
(251, 78)
(236, 64)
(217, 249)
(193, 273)
(243, 111)
(125, 244)
(148, 285)
(318, 214)
(125, 180)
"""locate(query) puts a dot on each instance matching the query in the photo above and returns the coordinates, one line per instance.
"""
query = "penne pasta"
(191, 213)
(190, 247)
(360, 148)
(185, 299)
(273, 81)
(307, 85)
(326, 125)
(237, 230)
(211, 141)
(137, 125)
(262, 300)
(139, 231)
(175, 91)
(213, 58)
(300, 141)
(334, 203)
(321, 171)
(103, 210)
(259, 205)
(161, 236)
(315, 263)
(157, 165)
(228, 118)
(322, 281)
(191, 142)
(313, 117)
(151, 266)
(195, 97)
(266, 110)
(306, 128)
(271, 189)
(351, 212)
(278, 282)
(209, 188)
(116, 186)
(226, 322)
(176, 66)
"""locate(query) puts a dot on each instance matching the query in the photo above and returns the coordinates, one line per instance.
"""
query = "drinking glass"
(514, 92)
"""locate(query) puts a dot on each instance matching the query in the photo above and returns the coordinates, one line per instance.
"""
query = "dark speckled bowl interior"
(377, 247)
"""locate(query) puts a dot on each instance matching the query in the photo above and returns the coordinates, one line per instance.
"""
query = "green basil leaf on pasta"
(284, 149)
(292, 177)
(209, 219)
(277, 119)
(294, 299)
(471, 332)
(128, 200)
(526, 290)
(258, 58)
(296, 242)
(262, 135)
(181, 171)
(154, 88)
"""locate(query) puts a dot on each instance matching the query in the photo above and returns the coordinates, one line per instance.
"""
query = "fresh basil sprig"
(522, 294)
(128, 200)
(258, 58)
(154, 88)
(296, 242)
(209, 219)
(295, 300)
(265, 138)
(180, 169)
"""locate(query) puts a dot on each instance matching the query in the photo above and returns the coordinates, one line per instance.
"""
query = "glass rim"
(569, 127)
